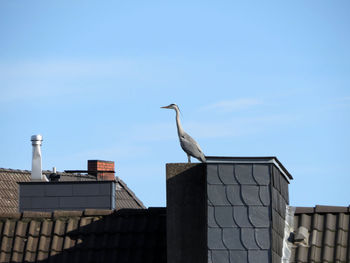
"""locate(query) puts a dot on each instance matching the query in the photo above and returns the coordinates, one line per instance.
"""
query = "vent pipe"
(36, 160)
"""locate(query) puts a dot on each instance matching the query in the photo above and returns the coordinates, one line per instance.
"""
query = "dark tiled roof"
(125, 198)
(328, 234)
(127, 235)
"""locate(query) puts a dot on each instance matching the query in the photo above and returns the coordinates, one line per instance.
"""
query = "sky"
(252, 78)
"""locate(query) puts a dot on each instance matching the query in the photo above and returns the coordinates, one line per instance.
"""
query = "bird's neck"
(180, 131)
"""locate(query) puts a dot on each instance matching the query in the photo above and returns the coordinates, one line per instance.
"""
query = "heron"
(188, 144)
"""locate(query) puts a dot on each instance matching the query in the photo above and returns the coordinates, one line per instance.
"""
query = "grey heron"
(188, 144)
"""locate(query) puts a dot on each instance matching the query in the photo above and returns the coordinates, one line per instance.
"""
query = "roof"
(328, 230)
(139, 235)
(125, 198)
(128, 235)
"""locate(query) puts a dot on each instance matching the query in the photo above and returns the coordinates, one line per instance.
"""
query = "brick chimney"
(230, 209)
(104, 166)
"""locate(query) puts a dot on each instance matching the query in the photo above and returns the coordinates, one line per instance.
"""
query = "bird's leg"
(189, 158)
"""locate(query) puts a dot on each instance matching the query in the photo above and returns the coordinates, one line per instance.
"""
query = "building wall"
(51, 196)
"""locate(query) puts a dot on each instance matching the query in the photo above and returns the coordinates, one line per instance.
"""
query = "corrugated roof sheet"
(127, 235)
(125, 198)
(328, 234)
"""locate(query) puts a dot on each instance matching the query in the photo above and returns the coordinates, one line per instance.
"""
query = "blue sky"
(252, 78)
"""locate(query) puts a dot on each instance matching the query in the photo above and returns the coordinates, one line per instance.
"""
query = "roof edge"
(260, 159)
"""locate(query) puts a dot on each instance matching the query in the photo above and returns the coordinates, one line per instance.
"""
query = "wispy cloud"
(231, 105)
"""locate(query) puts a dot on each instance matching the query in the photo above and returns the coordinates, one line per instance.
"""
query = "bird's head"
(171, 106)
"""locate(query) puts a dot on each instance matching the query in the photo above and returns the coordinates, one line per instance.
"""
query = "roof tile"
(329, 234)
(29, 257)
(32, 244)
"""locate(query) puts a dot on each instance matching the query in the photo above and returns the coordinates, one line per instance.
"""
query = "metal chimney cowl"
(36, 174)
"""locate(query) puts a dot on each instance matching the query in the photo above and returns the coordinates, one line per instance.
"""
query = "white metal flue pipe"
(36, 160)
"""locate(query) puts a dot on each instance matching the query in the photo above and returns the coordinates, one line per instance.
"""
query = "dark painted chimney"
(106, 169)
(226, 210)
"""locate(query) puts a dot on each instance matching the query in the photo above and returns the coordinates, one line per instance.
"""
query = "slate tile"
(283, 206)
(31, 190)
(233, 193)
(284, 189)
(226, 174)
(232, 238)
(275, 198)
(264, 194)
(244, 174)
(248, 238)
(215, 238)
(238, 256)
(220, 256)
(86, 189)
(46, 202)
(212, 174)
(259, 216)
(250, 194)
(277, 223)
(276, 258)
(217, 195)
(276, 179)
(58, 189)
(240, 215)
(261, 173)
(262, 236)
(258, 256)
(224, 216)
(276, 243)
(209, 256)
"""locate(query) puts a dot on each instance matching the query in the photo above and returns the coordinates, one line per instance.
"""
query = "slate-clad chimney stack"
(226, 210)
(105, 166)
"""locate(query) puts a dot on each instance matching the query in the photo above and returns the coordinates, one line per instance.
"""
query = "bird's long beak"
(165, 107)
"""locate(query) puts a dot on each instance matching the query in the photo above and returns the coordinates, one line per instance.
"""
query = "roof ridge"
(322, 209)
(9, 170)
(82, 213)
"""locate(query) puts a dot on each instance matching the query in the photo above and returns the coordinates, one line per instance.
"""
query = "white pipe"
(36, 174)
